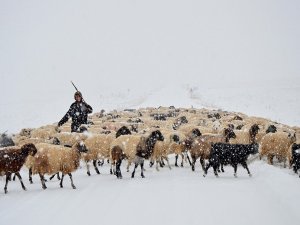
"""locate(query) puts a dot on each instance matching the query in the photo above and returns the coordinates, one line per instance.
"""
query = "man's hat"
(77, 93)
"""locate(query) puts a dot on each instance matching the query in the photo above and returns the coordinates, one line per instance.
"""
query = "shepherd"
(78, 111)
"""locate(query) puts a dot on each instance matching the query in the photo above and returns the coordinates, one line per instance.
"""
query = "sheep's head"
(196, 133)
(80, 146)
(253, 148)
(292, 137)
(29, 149)
(271, 129)
(229, 133)
(123, 131)
(157, 136)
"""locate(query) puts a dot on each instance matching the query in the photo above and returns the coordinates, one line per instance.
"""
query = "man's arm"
(66, 117)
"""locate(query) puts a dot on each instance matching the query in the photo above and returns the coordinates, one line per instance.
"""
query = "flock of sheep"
(215, 137)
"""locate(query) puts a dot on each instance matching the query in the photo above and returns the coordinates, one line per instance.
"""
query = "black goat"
(233, 154)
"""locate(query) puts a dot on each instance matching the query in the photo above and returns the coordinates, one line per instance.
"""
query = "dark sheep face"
(81, 147)
(229, 133)
(176, 138)
(30, 149)
(157, 135)
(254, 149)
(196, 132)
(123, 131)
(271, 129)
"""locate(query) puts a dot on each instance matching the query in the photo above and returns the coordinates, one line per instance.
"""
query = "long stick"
(74, 86)
(77, 90)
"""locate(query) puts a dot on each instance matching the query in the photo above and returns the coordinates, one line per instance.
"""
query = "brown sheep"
(276, 145)
(12, 159)
(201, 146)
(52, 159)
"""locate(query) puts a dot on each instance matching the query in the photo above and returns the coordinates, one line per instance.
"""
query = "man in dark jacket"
(79, 111)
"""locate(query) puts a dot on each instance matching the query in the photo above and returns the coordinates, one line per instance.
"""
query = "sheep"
(51, 159)
(45, 132)
(233, 154)
(69, 139)
(245, 136)
(136, 148)
(276, 144)
(160, 152)
(145, 149)
(294, 157)
(6, 141)
(12, 159)
(200, 147)
(98, 147)
(117, 156)
(123, 131)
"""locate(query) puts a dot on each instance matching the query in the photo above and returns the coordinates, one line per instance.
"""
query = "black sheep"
(233, 154)
(295, 160)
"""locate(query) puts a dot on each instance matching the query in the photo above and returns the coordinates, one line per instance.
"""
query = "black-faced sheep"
(294, 157)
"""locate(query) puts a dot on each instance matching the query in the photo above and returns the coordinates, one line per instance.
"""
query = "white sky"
(139, 45)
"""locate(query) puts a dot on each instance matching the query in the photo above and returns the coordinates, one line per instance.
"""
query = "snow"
(235, 55)
(177, 196)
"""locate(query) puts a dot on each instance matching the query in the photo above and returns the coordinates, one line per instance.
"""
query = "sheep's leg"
(95, 166)
(43, 181)
(193, 163)
(61, 181)
(157, 162)
(216, 170)
(176, 158)
(128, 165)
(244, 164)
(72, 184)
(111, 166)
(168, 163)
(162, 162)
(222, 169)
(182, 158)
(88, 168)
(57, 174)
(151, 162)
(8, 176)
(202, 164)
(135, 166)
(206, 169)
(20, 178)
(270, 159)
(235, 169)
(30, 176)
(142, 169)
(14, 177)
(118, 169)
(101, 162)
(187, 155)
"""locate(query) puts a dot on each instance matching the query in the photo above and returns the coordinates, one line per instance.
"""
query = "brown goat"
(12, 159)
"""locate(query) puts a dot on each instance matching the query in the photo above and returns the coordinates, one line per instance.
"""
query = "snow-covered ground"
(177, 196)
(235, 55)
